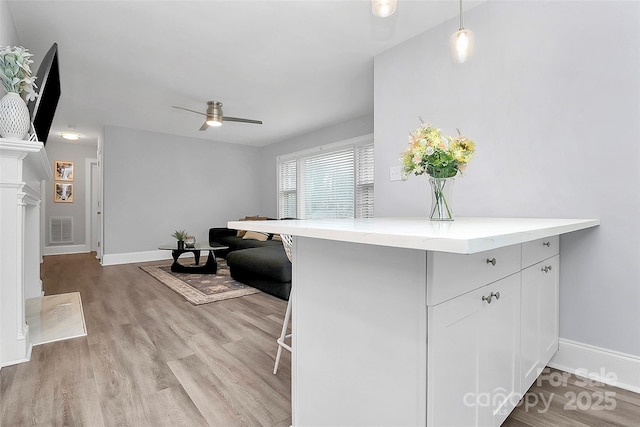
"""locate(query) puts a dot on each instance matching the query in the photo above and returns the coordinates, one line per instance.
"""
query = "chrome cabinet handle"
(546, 268)
(491, 261)
(547, 244)
(497, 295)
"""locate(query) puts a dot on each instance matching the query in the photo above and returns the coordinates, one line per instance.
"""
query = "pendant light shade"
(461, 42)
(384, 8)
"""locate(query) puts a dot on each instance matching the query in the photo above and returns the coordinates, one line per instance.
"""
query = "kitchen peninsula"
(405, 321)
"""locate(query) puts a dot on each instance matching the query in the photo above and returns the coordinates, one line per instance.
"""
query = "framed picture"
(63, 170)
(63, 192)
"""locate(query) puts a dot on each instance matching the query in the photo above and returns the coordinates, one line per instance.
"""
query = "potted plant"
(180, 235)
(15, 75)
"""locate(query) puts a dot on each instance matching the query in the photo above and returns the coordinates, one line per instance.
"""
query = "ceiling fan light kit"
(214, 116)
(214, 113)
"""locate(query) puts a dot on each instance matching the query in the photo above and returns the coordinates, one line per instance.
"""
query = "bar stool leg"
(283, 334)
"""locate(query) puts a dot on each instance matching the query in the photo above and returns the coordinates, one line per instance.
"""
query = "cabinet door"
(539, 310)
(455, 334)
(500, 351)
(549, 309)
(474, 351)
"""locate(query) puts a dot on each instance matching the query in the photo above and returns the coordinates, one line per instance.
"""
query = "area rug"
(201, 288)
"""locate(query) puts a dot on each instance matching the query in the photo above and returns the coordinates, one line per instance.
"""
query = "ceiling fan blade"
(236, 119)
(204, 126)
(186, 109)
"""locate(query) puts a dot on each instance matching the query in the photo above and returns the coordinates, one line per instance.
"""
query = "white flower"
(430, 150)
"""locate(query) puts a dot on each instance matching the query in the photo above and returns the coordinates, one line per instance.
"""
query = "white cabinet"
(540, 284)
(487, 343)
(389, 323)
(473, 356)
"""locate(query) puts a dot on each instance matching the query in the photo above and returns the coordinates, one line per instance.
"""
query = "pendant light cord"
(461, 24)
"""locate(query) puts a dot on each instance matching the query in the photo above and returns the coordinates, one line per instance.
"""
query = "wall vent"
(61, 229)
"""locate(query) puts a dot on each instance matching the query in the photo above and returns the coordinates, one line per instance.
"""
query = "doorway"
(92, 217)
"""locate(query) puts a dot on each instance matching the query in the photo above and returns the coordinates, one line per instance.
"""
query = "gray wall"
(156, 183)
(8, 31)
(551, 99)
(77, 153)
(338, 132)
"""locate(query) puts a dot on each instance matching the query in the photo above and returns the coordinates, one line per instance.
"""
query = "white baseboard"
(606, 366)
(133, 257)
(67, 249)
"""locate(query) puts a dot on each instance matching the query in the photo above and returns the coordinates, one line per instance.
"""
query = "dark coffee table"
(210, 267)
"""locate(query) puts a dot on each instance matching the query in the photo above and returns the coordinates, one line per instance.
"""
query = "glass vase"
(441, 199)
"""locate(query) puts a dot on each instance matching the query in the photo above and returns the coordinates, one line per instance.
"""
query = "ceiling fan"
(214, 116)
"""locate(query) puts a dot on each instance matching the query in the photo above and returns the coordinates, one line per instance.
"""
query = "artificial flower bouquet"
(15, 72)
(436, 154)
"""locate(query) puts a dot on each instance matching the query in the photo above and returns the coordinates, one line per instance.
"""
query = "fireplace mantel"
(23, 168)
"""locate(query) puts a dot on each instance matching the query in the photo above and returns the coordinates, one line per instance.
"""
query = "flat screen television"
(43, 108)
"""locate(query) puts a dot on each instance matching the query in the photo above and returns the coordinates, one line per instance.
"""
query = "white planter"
(14, 117)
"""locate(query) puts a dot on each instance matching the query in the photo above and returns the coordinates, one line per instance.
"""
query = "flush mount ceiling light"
(383, 8)
(461, 42)
(71, 136)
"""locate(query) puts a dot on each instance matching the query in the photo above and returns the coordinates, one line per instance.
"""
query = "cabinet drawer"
(450, 275)
(537, 250)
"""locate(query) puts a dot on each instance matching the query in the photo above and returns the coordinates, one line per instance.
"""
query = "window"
(287, 189)
(328, 182)
(364, 183)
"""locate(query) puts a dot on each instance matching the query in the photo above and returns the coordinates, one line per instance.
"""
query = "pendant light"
(383, 8)
(461, 42)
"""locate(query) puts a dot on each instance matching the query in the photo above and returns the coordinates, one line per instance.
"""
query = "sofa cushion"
(269, 261)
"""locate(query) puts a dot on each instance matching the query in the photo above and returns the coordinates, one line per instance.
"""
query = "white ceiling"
(296, 65)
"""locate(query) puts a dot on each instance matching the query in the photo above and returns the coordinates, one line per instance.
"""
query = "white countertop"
(464, 235)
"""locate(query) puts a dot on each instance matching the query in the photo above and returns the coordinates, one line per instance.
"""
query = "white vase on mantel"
(14, 117)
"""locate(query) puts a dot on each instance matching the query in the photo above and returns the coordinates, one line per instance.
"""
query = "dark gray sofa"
(261, 264)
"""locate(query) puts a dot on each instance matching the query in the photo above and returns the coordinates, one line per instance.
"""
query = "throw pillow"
(250, 218)
(255, 235)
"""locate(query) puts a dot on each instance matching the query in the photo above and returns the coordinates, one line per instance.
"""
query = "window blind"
(287, 192)
(327, 185)
(334, 184)
(364, 180)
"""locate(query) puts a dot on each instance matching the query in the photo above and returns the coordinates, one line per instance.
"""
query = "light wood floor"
(152, 359)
